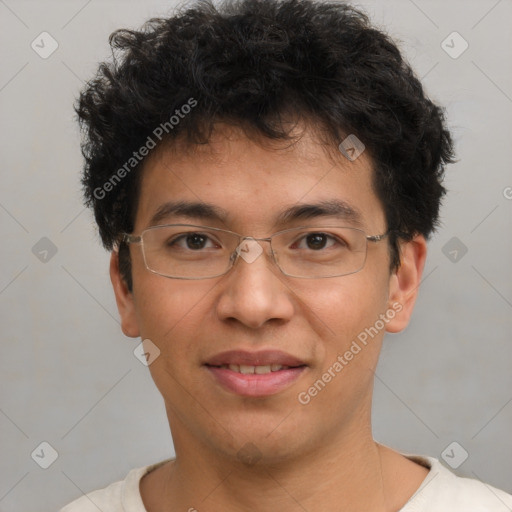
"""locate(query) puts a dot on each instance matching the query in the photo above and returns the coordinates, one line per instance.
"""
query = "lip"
(263, 357)
(255, 385)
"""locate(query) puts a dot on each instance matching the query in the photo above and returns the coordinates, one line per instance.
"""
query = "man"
(266, 175)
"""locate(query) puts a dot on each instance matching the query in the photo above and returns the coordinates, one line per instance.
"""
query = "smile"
(248, 369)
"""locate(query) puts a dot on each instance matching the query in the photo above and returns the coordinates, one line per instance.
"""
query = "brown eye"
(196, 241)
(316, 241)
(191, 241)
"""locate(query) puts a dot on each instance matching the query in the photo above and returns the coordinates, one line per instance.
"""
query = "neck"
(336, 476)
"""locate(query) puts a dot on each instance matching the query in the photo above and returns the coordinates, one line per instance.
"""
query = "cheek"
(347, 305)
(168, 310)
(170, 314)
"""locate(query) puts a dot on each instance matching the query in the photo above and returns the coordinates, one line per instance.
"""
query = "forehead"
(254, 182)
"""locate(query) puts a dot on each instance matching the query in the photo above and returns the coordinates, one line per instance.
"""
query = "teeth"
(246, 369)
(262, 369)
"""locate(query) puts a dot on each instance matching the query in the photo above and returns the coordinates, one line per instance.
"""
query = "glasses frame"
(130, 238)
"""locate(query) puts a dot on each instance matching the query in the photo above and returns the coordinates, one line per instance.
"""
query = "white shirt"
(441, 491)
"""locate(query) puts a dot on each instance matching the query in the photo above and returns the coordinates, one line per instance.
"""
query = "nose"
(253, 291)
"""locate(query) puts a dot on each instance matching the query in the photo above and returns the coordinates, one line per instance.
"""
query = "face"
(324, 333)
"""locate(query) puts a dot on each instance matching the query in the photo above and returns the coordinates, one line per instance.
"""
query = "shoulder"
(443, 490)
(107, 499)
(121, 496)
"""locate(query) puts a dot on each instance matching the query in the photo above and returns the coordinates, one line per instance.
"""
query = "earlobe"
(404, 283)
(124, 299)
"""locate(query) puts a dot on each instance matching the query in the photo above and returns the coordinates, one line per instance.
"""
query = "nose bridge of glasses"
(249, 249)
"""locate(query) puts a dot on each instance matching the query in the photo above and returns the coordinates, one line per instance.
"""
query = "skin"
(320, 456)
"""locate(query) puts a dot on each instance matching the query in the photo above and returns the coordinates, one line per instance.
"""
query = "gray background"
(69, 376)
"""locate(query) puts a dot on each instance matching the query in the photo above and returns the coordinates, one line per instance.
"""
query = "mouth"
(257, 374)
(246, 369)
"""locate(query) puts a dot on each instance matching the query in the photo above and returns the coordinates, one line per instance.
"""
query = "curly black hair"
(251, 63)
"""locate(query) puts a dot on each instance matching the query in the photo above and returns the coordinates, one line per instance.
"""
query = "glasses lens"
(186, 251)
(320, 252)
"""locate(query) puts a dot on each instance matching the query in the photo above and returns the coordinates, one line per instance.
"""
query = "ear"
(404, 283)
(124, 299)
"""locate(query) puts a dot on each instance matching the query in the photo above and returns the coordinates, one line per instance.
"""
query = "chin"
(262, 438)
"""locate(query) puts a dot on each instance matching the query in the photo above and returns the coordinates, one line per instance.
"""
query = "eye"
(316, 241)
(192, 241)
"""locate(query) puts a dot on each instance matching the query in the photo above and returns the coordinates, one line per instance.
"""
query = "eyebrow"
(304, 211)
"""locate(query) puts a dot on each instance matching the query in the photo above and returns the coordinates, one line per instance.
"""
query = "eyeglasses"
(186, 251)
